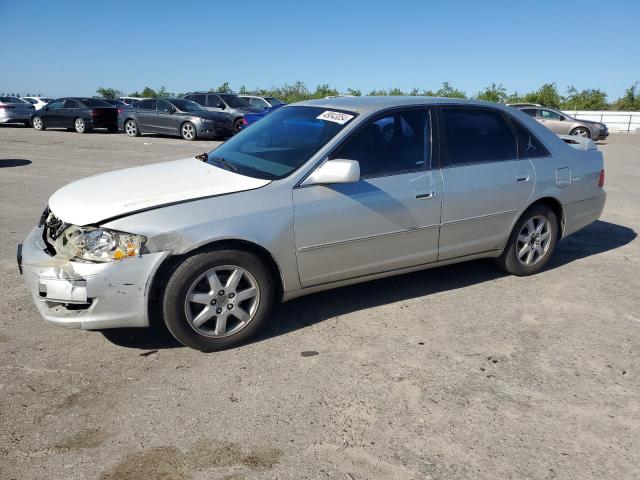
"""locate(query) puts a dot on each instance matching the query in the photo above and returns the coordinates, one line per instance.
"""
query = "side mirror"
(335, 171)
(561, 118)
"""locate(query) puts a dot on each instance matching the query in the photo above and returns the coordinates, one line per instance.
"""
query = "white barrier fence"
(616, 122)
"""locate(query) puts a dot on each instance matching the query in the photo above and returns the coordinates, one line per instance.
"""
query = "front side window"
(187, 106)
(163, 106)
(56, 104)
(280, 143)
(69, 103)
(550, 115)
(234, 101)
(475, 135)
(532, 112)
(394, 143)
(214, 101)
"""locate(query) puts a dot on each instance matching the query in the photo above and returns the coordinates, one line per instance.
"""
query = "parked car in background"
(15, 110)
(261, 102)
(563, 124)
(37, 102)
(130, 100)
(227, 103)
(250, 118)
(173, 116)
(317, 195)
(76, 113)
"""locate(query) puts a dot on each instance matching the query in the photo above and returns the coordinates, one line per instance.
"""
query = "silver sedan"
(15, 110)
(317, 195)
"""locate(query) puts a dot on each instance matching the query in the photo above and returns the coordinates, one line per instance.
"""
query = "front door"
(386, 221)
(486, 184)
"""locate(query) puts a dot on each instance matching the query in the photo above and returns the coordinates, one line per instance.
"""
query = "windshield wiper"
(227, 165)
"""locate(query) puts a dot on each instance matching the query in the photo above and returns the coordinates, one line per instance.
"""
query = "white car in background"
(37, 102)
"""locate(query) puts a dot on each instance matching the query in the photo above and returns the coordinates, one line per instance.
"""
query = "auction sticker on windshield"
(337, 117)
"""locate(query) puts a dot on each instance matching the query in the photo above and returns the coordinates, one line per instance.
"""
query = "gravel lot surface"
(457, 372)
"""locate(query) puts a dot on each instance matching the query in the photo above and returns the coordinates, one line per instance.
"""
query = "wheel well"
(582, 127)
(556, 207)
(173, 261)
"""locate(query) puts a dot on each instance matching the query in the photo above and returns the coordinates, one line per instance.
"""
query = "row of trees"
(548, 95)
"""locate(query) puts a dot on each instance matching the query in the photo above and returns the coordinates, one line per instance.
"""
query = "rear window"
(475, 135)
(95, 103)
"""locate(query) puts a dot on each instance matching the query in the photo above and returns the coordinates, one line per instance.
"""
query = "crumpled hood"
(111, 194)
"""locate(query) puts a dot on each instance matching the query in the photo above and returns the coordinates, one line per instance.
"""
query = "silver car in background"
(317, 195)
(15, 110)
(563, 124)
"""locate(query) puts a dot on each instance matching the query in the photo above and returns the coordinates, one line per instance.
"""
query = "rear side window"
(528, 144)
(146, 105)
(198, 99)
(475, 135)
(393, 144)
(530, 111)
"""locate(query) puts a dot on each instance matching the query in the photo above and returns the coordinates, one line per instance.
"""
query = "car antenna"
(203, 157)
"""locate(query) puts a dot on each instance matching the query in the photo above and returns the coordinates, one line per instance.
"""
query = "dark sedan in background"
(173, 116)
(76, 113)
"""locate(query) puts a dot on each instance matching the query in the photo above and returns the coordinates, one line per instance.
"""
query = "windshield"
(274, 101)
(234, 101)
(280, 143)
(187, 106)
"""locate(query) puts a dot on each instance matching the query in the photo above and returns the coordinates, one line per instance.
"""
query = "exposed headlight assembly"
(98, 244)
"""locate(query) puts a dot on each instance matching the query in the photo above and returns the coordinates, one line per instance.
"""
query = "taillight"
(244, 121)
(120, 110)
(95, 113)
(601, 179)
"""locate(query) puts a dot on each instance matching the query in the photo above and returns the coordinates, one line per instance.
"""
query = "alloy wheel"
(131, 128)
(79, 125)
(37, 123)
(188, 131)
(222, 301)
(533, 241)
(581, 132)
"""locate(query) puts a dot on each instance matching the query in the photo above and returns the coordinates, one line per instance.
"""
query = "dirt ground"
(459, 372)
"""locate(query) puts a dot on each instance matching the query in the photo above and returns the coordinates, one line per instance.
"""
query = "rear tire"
(531, 242)
(37, 123)
(237, 125)
(131, 128)
(80, 126)
(204, 302)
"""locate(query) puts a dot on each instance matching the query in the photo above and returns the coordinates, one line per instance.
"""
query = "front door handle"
(522, 179)
(425, 194)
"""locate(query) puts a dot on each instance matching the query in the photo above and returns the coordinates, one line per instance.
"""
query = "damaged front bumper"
(87, 295)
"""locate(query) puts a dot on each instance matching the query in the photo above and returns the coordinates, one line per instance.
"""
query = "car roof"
(368, 104)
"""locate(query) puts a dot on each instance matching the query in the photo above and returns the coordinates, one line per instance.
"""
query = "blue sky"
(71, 47)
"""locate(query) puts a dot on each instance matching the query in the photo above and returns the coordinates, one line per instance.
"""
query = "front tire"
(218, 299)
(581, 132)
(237, 125)
(38, 124)
(188, 131)
(531, 243)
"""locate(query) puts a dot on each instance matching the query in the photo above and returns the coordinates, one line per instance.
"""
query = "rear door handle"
(522, 179)
(425, 194)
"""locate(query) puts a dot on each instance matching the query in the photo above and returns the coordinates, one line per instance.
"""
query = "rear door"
(69, 112)
(486, 185)
(147, 115)
(388, 220)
